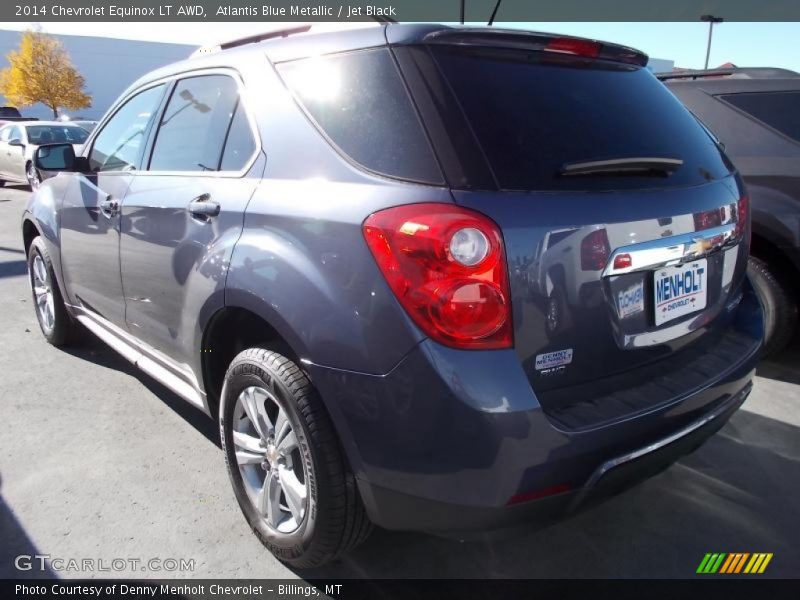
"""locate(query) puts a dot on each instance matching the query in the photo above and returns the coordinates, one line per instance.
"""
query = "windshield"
(534, 115)
(56, 134)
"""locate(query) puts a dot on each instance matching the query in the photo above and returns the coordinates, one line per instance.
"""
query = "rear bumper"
(402, 511)
(456, 442)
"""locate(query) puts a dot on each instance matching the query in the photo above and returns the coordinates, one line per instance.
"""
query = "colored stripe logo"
(735, 562)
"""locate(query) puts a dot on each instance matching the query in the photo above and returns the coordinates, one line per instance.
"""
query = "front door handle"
(109, 207)
(203, 207)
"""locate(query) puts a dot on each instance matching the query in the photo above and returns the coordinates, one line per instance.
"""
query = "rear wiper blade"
(634, 165)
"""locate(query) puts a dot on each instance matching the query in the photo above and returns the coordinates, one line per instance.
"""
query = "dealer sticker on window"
(553, 359)
(679, 290)
(631, 300)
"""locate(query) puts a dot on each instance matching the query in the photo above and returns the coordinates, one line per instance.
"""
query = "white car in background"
(19, 140)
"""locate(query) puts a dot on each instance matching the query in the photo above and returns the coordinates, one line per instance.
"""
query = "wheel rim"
(33, 177)
(43, 293)
(269, 459)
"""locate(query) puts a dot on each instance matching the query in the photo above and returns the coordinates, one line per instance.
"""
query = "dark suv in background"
(755, 113)
(326, 242)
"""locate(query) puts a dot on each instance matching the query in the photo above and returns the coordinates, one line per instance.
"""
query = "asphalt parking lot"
(99, 461)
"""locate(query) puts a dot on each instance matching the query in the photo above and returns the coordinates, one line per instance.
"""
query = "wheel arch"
(29, 232)
(230, 330)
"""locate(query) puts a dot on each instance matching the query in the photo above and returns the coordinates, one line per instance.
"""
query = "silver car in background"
(18, 143)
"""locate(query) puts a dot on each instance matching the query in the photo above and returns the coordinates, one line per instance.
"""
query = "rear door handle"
(109, 207)
(203, 207)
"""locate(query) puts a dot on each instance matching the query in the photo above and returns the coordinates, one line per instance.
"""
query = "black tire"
(780, 306)
(63, 329)
(335, 520)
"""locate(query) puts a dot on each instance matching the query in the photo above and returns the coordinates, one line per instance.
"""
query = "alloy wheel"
(269, 459)
(43, 293)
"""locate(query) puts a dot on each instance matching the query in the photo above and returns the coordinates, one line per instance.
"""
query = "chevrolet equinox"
(431, 278)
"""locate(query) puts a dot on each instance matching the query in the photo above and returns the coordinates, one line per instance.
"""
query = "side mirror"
(16, 142)
(55, 157)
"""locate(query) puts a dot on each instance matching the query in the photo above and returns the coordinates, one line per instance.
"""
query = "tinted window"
(533, 113)
(118, 146)
(56, 134)
(194, 124)
(15, 133)
(557, 236)
(360, 103)
(240, 145)
(780, 110)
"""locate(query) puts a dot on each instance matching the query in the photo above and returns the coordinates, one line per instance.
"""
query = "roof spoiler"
(736, 72)
(537, 41)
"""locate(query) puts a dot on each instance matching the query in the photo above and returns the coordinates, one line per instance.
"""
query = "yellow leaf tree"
(40, 70)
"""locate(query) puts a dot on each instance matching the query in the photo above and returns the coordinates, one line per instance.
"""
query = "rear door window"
(779, 110)
(194, 124)
(534, 113)
(360, 103)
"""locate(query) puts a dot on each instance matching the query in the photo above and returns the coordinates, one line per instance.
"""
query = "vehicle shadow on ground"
(91, 349)
(737, 493)
(16, 543)
(13, 268)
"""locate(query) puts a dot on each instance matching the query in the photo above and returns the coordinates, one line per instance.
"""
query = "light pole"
(711, 19)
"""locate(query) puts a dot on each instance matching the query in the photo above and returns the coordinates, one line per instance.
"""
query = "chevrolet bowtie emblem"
(698, 246)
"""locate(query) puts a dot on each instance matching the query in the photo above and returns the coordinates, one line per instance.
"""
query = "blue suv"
(432, 278)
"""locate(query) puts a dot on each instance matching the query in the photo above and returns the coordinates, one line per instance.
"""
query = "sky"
(744, 44)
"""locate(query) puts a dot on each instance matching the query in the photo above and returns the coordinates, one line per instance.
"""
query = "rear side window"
(359, 101)
(239, 145)
(533, 114)
(779, 110)
(194, 124)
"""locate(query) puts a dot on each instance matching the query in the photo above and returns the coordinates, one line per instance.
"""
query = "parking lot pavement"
(98, 461)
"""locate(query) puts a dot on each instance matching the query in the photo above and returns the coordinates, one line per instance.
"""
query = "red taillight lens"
(447, 267)
(623, 261)
(595, 250)
(537, 494)
(574, 46)
(742, 218)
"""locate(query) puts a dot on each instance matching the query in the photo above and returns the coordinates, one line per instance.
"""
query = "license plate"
(679, 290)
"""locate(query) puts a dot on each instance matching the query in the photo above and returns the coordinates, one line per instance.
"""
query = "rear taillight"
(742, 217)
(595, 250)
(446, 265)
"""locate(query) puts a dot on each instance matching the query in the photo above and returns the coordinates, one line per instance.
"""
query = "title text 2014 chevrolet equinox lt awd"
(432, 278)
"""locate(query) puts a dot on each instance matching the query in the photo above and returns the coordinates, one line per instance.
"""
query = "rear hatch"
(624, 223)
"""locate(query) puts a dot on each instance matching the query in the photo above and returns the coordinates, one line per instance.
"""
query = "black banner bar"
(478, 11)
(707, 588)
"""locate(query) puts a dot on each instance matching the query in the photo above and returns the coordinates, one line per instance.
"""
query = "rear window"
(359, 101)
(779, 110)
(532, 114)
(56, 134)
